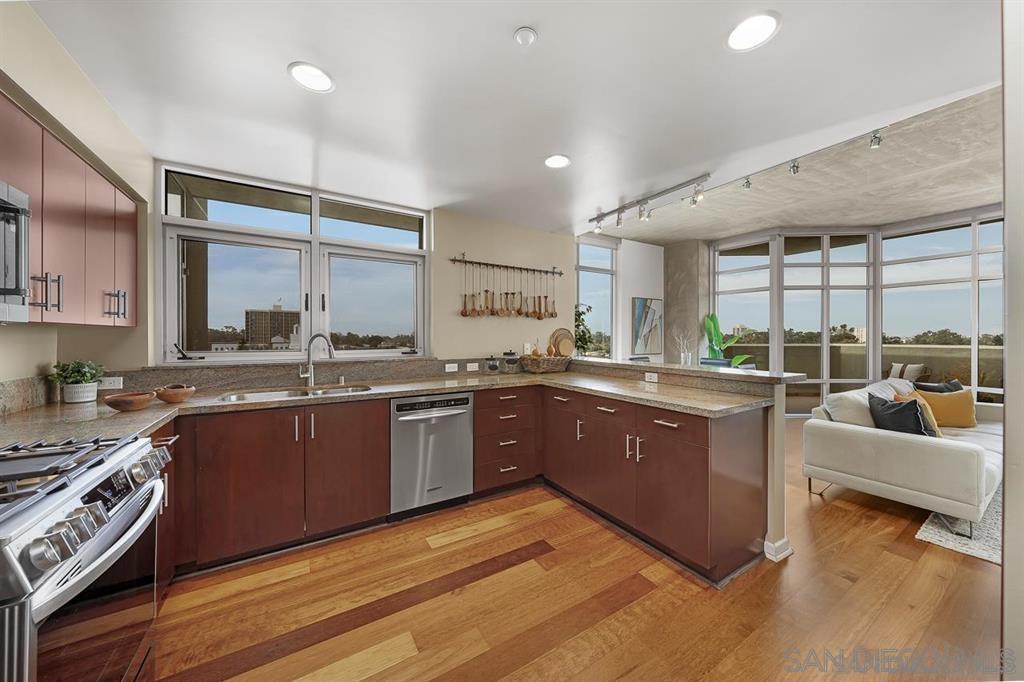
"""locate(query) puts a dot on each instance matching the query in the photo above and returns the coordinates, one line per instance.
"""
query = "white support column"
(776, 542)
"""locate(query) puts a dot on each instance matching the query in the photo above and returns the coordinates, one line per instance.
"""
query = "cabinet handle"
(579, 435)
(124, 304)
(507, 397)
(560, 399)
(628, 453)
(609, 410)
(296, 428)
(638, 455)
(116, 295)
(503, 443)
(312, 426)
(60, 293)
(167, 489)
(46, 279)
(166, 442)
(507, 416)
(505, 470)
(662, 422)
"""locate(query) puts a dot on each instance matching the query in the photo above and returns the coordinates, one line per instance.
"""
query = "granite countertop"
(731, 373)
(58, 422)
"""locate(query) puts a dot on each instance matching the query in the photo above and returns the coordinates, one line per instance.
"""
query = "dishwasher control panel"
(439, 404)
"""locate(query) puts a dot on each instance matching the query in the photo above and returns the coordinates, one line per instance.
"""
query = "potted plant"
(78, 380)
(584, 337)
(717, 344)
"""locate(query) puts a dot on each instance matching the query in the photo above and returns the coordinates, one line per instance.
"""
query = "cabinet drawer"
(501, 419)
(504, 471)
(555, 399)
(493, 447)
(503, 397)
(686, 427)
(615, 411)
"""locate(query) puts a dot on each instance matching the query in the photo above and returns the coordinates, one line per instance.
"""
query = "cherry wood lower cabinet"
(250, 482)
(565, 441)
(505, 437)
(348, 459)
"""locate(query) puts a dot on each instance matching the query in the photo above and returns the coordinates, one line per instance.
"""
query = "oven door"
(94, 620)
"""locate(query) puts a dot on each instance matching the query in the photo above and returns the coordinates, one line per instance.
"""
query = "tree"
(942, 337)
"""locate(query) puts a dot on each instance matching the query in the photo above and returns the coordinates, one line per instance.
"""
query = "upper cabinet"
(84, 231)
(21, 165)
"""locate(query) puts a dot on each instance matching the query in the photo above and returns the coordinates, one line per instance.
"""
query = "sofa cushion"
(926, 412)
(988, 435)
(945, 387)
(893, 415)
(851, 407)
(899, 370)
(952, 409)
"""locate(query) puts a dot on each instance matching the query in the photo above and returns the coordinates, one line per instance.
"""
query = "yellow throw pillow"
(954, 409)
(926, 410)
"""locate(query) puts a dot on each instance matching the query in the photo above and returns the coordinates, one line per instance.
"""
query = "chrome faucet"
(307, 374)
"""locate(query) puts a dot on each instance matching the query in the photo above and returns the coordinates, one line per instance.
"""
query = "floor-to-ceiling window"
(595, 271)
(855, 302)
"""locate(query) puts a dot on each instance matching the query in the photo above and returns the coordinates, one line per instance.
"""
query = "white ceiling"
(437, 106)
(944, 160)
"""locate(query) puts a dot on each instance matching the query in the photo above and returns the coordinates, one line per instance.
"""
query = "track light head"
(618, 219)
(598, 228)
(693, 201)
(794, 167)
(746, 183)
(645, 213)
(876, 140)
(698, 192)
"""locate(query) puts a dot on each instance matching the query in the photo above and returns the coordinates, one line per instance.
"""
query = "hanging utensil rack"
(502, 290)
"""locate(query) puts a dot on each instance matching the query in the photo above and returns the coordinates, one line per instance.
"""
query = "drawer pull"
(505, 470)
(637, 453)
(662, 422)
(609, 410)
(503, 443)
(508, 416)
(560, 399)
(507, 397)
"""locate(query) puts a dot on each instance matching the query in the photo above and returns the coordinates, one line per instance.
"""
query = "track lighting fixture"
(645, 213)
(618, 219)
(698, 192)
(794, 167)
(640, 203)
(598, 228)
(693, 201)
(746, 183)
(876, 140)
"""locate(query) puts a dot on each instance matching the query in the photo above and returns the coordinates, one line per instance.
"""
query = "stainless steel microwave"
(14, 277)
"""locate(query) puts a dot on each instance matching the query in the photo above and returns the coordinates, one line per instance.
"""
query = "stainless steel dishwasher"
(431, 449)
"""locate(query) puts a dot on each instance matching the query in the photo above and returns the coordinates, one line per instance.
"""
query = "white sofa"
(956, 474)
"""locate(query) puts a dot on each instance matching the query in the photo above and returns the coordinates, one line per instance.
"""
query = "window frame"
(613, 246)
(314, 248)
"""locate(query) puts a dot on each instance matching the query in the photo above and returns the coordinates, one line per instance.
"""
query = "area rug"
(988, 533)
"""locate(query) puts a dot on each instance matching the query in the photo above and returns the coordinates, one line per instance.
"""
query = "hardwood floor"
(529, 586)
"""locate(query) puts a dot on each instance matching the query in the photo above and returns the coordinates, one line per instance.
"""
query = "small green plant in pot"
(717, 343)
(584, 337)
(78, 380)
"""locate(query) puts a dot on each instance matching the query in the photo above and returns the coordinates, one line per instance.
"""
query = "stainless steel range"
(78, 546)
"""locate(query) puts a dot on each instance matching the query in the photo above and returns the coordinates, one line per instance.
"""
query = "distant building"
(861, 334)
(739, 329)
(265, 327)
(223, 347)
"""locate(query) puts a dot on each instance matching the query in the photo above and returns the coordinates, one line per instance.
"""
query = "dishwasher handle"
(430, 415)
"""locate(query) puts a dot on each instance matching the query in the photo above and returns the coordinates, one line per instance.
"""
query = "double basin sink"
(280, 394)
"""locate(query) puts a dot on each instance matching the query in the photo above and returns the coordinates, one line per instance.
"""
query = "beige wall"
(32, 57)
(687, 295)
(454, 336)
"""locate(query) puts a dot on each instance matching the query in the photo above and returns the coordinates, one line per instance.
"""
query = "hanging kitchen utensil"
(465, 311)
(554, 284)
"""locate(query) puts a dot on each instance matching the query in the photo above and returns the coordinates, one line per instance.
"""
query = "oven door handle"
(46, 601)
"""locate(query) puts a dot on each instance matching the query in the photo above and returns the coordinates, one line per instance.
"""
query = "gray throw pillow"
(892, 415)
(945, 387)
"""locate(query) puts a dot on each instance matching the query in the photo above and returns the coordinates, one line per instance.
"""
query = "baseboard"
(777, 551)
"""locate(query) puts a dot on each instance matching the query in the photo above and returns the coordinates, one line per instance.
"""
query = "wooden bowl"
(175, 393)
(129, 402)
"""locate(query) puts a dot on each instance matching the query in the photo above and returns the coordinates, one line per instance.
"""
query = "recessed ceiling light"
(557, 161)
(525, 36)
(311, 77)
(754, 31)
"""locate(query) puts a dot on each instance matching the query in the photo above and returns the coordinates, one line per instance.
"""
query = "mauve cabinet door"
(100, 299)
(21, 165)
(64, 230)
(126, 259)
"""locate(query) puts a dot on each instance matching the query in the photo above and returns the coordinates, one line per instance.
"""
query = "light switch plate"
(110, 382)
(451, 367)
(472, 366)
(651, 377)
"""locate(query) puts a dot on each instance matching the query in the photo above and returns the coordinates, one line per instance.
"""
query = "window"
(742, 301)
(595, 280)
(240, 263)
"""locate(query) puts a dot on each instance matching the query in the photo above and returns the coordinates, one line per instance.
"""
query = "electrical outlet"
(472, 366)
(110, 382)
(651, 377)
(451, 367)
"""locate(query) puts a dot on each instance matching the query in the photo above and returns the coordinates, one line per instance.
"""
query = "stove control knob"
(81, 522)
(153, 460)
(140, 473)
(64, 538)
(97, 512)
(43, 554)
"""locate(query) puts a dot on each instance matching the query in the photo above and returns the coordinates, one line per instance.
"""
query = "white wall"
(454, 336)
(640, 272)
